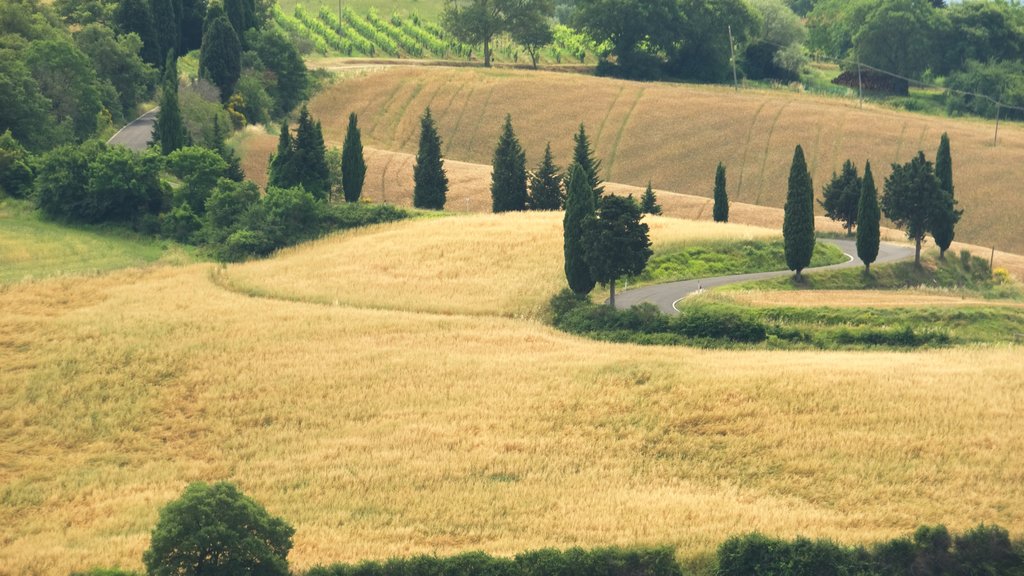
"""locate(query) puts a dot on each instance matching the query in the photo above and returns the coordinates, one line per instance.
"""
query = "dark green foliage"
(291, 81)
(430, 187)
(1000, 81)
(220, 57)
(25, 111)
(637, 30)
(193, 12)
(798, 222)
(199, 169)
(353, 166)
(281, 169)
(649, 203)
(913, 200)
(946, 219)
(65, 76)
(868, 216)
(547, 562)
(703, 52)
(181, 223)
(214, 529)
(217, 143)
(479, 21)
(841, 196)
(546, 185)
(170, 130)
(310, 157)
(106, 572)
(93, 184)
(531, 28)
(899, 37)
(987, 550)
(15, 174)
(135, 16)
(583, 155)
(579, 208)
(241, 14)
(117, 61)
(225, 207)
(615, 243)
(720, 212)
(508, 172)
(165, 22)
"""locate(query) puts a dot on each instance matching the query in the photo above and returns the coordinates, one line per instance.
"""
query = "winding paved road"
(665, 296)
(136, 135)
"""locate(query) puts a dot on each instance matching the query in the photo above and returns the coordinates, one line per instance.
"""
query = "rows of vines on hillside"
(403, 36)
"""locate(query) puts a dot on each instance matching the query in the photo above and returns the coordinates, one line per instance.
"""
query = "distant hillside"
(675, 134)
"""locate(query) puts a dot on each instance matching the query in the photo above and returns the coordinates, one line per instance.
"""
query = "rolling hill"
(675, 135)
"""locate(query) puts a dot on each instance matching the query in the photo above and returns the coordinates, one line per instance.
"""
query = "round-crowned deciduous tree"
(214, 529)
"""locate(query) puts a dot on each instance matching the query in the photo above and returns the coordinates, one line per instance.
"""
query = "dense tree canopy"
(798, 217)
(616, 242)
(841, 196)
(508, 172)
(914, 201)
(430, 189)
(479, 21)
(220, 58)
(636, 29)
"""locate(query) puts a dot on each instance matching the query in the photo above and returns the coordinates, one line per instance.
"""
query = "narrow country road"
(136, 135)
(665, 296)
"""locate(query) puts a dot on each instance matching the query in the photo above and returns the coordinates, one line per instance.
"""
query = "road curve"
(665, 296)
(136, 135)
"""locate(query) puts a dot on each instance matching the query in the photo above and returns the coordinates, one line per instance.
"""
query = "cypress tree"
(584, 156)
(649, 203)
(508, 172)
(546, 185)
(616, 243)
(720, 212)
(220, 57)
(579, 208)
(165, 19)
(868, 216)
(798, 221)
(217, 143)
(309, 163)
(947, 216)
(841, 196)
(241, 14)
(430, 188)
(170, 130)
(281, 163)
(193, 13)
(136, 16)
(353, 166)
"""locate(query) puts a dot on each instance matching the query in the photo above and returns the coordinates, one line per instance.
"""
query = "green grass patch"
(32, 248)
(727, 258)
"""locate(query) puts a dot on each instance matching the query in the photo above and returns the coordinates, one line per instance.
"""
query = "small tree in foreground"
(214, 529)
(841, 196)
(616, 243)
(798, 220)
(649, 203)
(353, 166)
(913, 200)
(721, 209)
(430, 189)
(579, 207)
(546, 185)
(868, 216)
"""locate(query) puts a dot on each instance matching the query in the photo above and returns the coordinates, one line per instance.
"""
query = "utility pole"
(860, 84)
(995, 139)
(732, 50)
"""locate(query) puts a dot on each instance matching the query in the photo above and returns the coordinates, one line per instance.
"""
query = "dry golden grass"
(444, 265)
(675, 135)
(860, 298)
(387, 432)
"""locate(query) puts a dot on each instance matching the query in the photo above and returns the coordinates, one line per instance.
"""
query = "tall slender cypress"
(583, 155)
(720, 212)
(281, 168)
(508, 172)
(868, 216)
(430, 189)
(310, 159)
(170, 129)
(136, 16)
(353, 166)
(946, 215)
(579, 208)
(220, 57)
(546, 185)
(798, 221)
(166, 16)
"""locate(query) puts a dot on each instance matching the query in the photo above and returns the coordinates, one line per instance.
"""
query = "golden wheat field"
(675, 135)
(377, 428)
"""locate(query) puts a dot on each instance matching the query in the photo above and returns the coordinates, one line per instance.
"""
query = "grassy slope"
(675, 135)
(31, 248)
(381, 432)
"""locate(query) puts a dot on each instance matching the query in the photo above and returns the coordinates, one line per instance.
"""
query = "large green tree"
(615, 243)
(638, 31)
(65, 76)
(136, 16)
(199, 169)
(946, 219)
(241, 14)
(841, 196)
(281, 171)
(583, 156)
(798, 220)
(912, 198)
(353, 165)
(508, 172)
(531, 29)
(868, 216)
(720, 211)
(546, 185)
(170, 130)
(220, 57)
(116, 60)
(898, 36)
(193, 13)
(703, 51)
(480, 21)
(430, 189)
(214, 529)
(166, 15)
(289, 72)
(310, 157)
(579, 208)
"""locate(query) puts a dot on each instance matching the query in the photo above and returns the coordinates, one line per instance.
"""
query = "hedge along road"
(665, 296)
